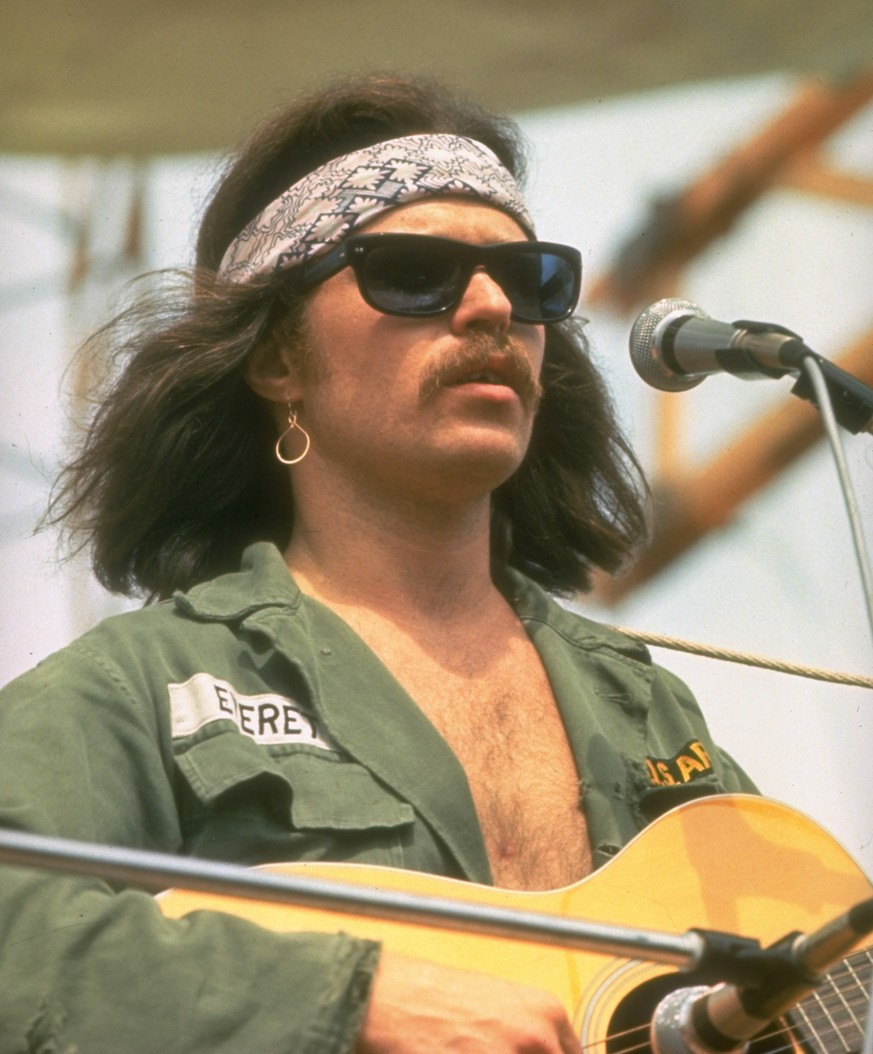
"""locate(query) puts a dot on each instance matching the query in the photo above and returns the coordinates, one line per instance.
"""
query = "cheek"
(537, 351)
(336, 303)
(341, 329)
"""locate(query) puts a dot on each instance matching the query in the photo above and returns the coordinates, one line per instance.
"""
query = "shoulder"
(138, 652)
(107, 664)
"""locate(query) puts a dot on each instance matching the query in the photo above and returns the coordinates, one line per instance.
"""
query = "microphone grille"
(645, 350)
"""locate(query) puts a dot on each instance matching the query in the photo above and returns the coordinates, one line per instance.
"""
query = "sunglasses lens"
(540, 285)
(416, 275)
(411, 280)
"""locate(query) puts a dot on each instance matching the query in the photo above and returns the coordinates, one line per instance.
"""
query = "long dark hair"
(175, 474)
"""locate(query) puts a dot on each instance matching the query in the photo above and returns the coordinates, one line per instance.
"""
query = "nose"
(484, 305)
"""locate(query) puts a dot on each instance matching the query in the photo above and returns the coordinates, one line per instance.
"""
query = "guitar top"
(738, 863)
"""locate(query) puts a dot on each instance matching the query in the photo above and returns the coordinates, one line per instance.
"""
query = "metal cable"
(711, 652)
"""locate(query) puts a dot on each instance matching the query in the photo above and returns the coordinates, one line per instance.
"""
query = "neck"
(400, 557)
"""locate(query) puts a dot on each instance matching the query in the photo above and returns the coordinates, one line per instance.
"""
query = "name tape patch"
(266, 718)
(689, 764)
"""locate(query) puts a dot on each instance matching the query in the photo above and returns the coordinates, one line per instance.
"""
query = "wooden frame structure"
(692, 502)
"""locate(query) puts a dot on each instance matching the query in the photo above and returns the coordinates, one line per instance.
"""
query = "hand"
(417, 1007)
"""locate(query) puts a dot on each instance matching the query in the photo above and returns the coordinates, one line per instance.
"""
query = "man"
(342, 462)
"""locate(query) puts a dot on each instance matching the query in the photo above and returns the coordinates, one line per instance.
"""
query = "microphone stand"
(818, 381)
(851, 399)
(156, 872)
(711, 955)
(841, 399)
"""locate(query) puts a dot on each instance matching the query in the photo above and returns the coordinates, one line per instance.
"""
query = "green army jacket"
(244, 721)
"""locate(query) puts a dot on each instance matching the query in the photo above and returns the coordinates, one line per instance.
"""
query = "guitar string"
(859, 1001)
(643, 1044)
(841, 1001)
(640, 1033)
(802, 1012)
(818, 1000)
(850, 969)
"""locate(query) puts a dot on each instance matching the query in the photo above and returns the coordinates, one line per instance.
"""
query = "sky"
(779, 580)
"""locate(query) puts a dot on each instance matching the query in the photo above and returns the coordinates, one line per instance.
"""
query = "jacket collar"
(263, 581)
(532, 604)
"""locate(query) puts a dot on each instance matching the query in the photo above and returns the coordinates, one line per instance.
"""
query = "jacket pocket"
(241, 801)
(333, 794)
(339, 811)
(224, 761)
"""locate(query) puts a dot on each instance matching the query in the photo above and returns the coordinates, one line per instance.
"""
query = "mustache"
(475, 354)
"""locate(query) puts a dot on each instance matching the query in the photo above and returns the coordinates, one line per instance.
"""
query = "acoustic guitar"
(740, 864)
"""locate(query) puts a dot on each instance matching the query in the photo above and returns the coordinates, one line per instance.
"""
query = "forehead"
(469, 221)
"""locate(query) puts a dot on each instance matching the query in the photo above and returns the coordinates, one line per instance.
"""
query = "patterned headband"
(331, 202)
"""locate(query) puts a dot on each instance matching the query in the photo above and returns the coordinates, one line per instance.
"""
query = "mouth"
(487, 362)
(482, 377)
(497, 368)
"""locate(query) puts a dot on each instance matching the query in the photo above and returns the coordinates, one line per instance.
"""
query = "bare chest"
(500, 718)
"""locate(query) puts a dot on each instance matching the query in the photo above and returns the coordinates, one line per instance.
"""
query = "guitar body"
(742, 864)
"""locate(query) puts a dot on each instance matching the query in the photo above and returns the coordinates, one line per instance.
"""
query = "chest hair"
(492, 703)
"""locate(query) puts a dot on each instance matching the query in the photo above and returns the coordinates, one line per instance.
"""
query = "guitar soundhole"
(629, 1024)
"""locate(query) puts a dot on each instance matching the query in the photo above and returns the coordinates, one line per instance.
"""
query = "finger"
(567, 1037)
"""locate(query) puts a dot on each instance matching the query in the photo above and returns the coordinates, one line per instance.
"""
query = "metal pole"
(160, 871)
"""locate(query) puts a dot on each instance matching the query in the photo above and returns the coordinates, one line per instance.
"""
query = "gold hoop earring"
(292, 425)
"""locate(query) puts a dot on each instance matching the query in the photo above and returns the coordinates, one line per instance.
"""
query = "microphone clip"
(756, 354)
(726, 957)
(736, 984)
(852, 400)
(761, 975)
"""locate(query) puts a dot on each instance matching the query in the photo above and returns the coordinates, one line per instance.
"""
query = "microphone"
(675, 345)
(717, 1020)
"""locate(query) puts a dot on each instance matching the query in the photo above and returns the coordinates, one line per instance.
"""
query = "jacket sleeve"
(88, 968)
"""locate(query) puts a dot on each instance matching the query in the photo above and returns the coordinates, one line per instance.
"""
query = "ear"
(271, 374)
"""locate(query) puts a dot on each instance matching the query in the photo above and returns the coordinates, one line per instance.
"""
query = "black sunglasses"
(417, 275)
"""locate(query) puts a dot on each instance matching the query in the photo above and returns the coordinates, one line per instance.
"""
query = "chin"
(481, 466)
